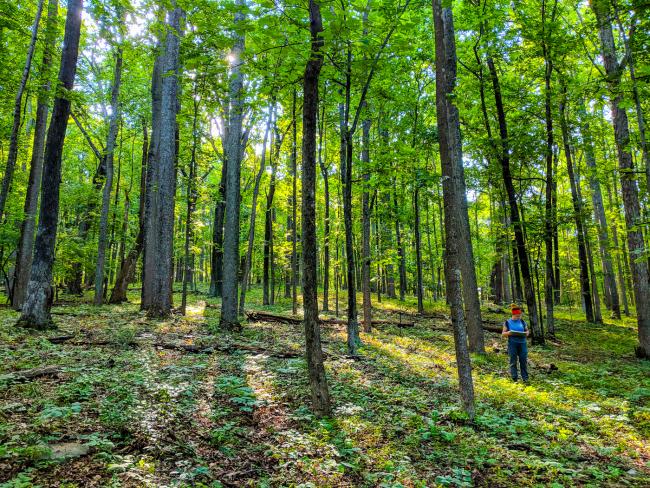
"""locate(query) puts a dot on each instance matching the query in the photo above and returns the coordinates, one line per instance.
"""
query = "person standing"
(516, 330)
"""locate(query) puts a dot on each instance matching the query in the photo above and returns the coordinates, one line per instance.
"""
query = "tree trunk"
(108, 184)
(549, 215)
(294, 210)
(191, 201)
(269, 272)
(418, 248)
(636, 245)
(577, 215)
(161, 283)
(216, 268)
(317, 379)
(229, 309)
(251, 230)
(365, 223)
(28, 226)
(326, 227)
(453, 190)
(150, 242)
(609, 280)
(39, 297)
(12, 155)
(126, 272)
(400, 248)
(522, 253)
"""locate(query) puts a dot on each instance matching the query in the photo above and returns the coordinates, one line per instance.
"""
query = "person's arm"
(506, 331)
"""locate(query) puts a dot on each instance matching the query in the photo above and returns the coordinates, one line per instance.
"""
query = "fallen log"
(30, 374)
(61, 339)
(258, 316)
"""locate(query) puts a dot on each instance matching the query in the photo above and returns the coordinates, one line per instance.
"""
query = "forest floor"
(132, 403)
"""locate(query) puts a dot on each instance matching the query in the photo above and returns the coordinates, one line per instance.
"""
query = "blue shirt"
(516, 326)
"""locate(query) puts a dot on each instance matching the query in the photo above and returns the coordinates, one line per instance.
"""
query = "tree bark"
(294, 210)
(251, 229)
(522, 253)
(365, 223)
(161, 283)
(150, 243)
(191, 200)
(26, 242)
(549, 216)
(418, 248)
(268, 272)
(326, 227)
(317, 378)
(229, 309)
(12, 154)
(453, 190)
(126, 272)
(108, 184)
(635, 242)
(39, 297)
(609, 279)
(577, 215)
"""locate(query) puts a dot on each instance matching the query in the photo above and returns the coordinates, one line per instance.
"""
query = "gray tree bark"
(635, 242)
(161, 283)
(26, 242)
(609, 279)
(453, 190)
(233, 149)
(39, 297)
(108, 184)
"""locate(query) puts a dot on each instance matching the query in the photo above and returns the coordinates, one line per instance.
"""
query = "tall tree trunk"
(191, 201)
(400, 248)
(216, 267)
(294, 210)
(269, 272)
(126, 272)
(161, 283)
(631, 64)
(12, 155)
(317, 379)
(453, 190)
(522, 253)
(26, 242)
(636, 245)
(549, 216)
(418, 248)
(108, 184)
(39, 297)
(577, 214)
(326, 227)
(609, 280)
(365, 223)
(151, 223)
(234, 150)
(251, 229)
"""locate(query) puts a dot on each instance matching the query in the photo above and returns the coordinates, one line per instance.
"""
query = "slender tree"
(317, 379)
(453, 190)
(12, 154)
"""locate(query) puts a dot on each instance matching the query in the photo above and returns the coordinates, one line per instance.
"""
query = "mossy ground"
(160, 417)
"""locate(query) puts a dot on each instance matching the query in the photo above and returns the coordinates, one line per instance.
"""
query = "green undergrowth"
(144, 415)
